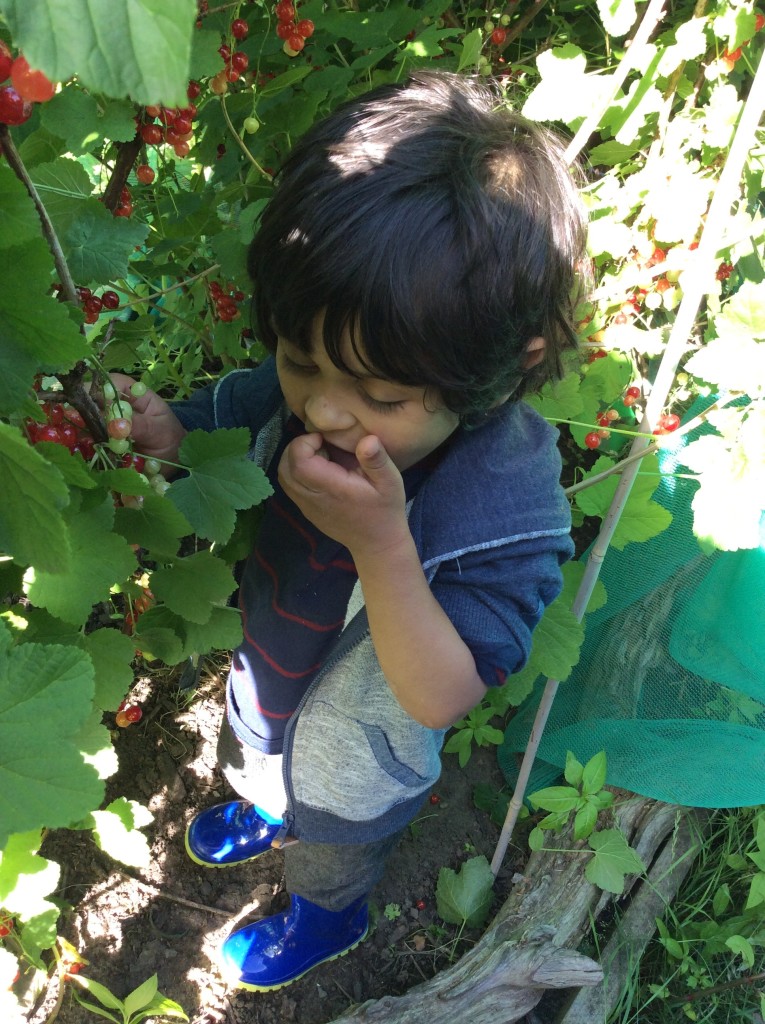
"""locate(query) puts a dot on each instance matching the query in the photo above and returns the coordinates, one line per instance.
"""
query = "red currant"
(133, 713)
(633, 392)
(121, 719)
(592, 440)
(285, 29)
(225, 52)
(435, 798)
(119, 428)
(153, 110)
(54, 413)
(133, 461)
(732, 55)
(123, 210)
(151, 134)
(193, 90)
(14, 110)
(68, 435)
(498, 36)
(239, 62)
(296, 43)
(30, 85)
(239, 28)
(285, 11)
(182, 125)
(420, 904)
(670, 422)
(111, 300)
(6, 926)
(6, 61)
(305, 28)
(181, 149)
(48, 433)
(145, 174)
(759, 22)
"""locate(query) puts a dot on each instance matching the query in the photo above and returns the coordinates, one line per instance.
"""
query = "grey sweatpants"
(332, 876)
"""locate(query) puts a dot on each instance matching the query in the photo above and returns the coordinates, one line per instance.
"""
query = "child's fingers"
(376, 464)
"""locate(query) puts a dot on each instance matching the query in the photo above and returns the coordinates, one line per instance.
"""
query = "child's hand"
(362, 507)
(157, 432)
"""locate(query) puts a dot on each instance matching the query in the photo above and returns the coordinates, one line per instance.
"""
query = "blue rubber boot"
(278, 950)
(229, 834)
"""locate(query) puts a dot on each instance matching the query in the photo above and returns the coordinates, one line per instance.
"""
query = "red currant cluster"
(95, 304)
(729, 57)
(226, 301)
(175, 126)
(27, 87)
(667, 423)
(294, 33)
(724, 271)
(235, 64)
(631, 396)
(6, 924)
(128, 714)
(124, 207)
(597, 353)
(63, 425)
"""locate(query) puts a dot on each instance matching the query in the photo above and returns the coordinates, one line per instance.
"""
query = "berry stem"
(240, 142)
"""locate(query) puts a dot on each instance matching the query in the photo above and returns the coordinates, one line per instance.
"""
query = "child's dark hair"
(442, 230)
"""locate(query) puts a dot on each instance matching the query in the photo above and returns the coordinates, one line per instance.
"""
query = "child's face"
(344, 409)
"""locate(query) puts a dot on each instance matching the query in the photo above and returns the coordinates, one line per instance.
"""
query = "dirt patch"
(169, 918)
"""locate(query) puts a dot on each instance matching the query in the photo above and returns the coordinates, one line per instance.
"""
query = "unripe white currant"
(138, 389)
(119, 445)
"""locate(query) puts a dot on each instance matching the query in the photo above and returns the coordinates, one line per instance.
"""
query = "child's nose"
(326, 412)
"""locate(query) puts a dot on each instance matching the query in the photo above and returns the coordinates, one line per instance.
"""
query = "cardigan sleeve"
(495, 598)
(243, 398)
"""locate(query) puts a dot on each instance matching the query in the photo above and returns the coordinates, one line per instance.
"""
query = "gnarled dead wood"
(530, 946)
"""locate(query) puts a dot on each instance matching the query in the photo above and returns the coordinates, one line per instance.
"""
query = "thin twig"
(240, 142)
(176, 899)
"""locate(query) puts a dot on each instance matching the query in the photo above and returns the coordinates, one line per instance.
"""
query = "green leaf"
(120, 840)
(73, 115)
(101, 992)
(641, 517)
(536, 839)
(465, 897)
(19, 222)
(221, 479)
(46, 695)
(100, 559)
(37, 332)
(556, 643)
(96, 1009)
(609, 154)
(161, 1006)
(613, 859)
(738, 944)
(26, 878)
(472, 45)
(157, 526)
(756, 896)
(618, 16)
(557, 799)
(140, 997)
(585, 820)
(32, 529)
(98, 245)
(111, 653)
(158, 632)
(573, 771)
(139, 49)
(721, 900)
(190, 586)
(594, 775)
(573, 573)
(559, 400)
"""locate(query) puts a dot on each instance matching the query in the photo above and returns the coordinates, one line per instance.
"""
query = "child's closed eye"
(383, 407)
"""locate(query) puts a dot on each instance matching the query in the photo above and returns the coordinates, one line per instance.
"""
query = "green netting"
(671, 679)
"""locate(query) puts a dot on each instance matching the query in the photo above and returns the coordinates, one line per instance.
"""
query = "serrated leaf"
(111, 653)
(465, 897)
(613, 859)
(559, 400)
(556, 644)
(116, 121)
(98, 245)
(95, 744)
(100, 559)
(37, 333)
(120, 840)
(641, 517)
(26, 878)
(72, 115)
(157, 526)
(573, 573)
(220, 480)
(160, 634)
(141, 49)
(192, 585)
(32, 529)
(73, 470)
(19, 222)
(556, 799)
(46, 695)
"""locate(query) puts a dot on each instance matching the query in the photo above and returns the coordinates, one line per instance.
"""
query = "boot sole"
(214, 864)
(283, 984)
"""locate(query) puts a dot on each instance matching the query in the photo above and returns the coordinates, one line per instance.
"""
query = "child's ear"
(535, 353)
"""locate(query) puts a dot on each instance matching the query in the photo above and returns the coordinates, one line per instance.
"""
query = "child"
(413, 277)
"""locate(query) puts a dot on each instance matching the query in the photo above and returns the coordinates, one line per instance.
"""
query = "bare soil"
(170, 917)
